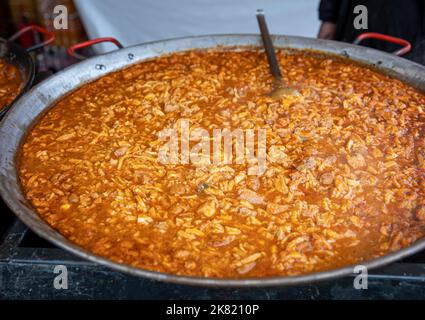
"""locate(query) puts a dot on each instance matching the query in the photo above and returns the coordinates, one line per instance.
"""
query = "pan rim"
(56, 238)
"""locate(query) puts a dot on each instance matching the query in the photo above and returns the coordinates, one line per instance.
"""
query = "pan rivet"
(130, 56)
(100, 67)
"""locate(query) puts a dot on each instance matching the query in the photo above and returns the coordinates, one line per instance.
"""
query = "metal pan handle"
(50, 36)
(72, 49)
(374, 35)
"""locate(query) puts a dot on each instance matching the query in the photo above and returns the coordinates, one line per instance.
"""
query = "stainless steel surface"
(21, 59)
(40, 98)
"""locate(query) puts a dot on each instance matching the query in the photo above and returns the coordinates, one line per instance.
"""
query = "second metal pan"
(21, 58)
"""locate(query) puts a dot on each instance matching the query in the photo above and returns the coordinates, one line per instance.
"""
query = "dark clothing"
(329, 10)
(404, 19)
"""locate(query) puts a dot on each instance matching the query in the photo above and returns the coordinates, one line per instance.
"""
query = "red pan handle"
(72, 49)
(50, 36)
(374, 35)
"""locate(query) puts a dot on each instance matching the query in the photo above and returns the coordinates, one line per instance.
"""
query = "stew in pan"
(343, 180)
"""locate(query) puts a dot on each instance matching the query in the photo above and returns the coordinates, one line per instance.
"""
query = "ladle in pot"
(280, 89)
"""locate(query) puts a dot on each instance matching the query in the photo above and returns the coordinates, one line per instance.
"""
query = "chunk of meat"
(327, 178)
(275, 208)
(208, 208)
(277, 154)
(226, 241)
(356, 161)
(251, 196)
(171, 107)
(420, 213)
(178, 189)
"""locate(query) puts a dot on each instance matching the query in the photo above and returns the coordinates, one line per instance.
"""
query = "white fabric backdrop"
(137, 21)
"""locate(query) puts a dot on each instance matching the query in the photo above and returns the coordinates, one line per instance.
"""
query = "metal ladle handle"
(268, 45)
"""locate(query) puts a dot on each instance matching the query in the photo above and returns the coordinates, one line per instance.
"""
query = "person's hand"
(327, 30)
